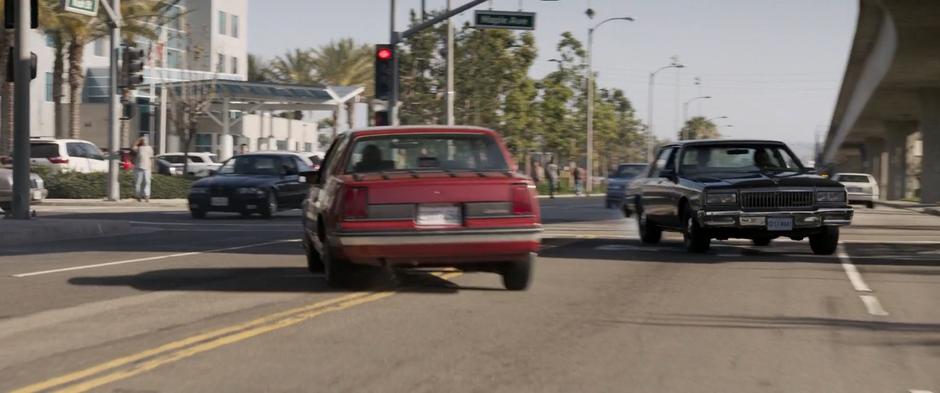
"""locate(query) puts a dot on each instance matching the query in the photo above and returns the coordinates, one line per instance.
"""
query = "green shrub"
(73, 185)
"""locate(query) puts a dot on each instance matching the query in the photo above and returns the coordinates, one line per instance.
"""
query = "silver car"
(37, 188)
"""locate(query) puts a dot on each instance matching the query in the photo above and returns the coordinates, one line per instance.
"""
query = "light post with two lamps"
(685, 113)
(651, 142)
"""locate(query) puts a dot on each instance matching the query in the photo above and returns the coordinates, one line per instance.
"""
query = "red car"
(421, 196)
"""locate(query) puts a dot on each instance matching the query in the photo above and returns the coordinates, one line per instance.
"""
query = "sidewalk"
(926, 208)
(123, 202)
(37, 230)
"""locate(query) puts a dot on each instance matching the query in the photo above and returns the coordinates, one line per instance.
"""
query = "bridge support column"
(875, 161)
(930, 130)
(896, 133)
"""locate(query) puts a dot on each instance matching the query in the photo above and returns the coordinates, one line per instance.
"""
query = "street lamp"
(560, 63)
(590, 98)
(685, 111)
(651, 142)
(716, 118)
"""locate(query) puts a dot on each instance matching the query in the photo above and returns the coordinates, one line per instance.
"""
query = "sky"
(773, 67)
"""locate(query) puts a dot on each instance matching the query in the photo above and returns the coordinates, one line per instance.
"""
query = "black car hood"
(235, 181)
(762, 180)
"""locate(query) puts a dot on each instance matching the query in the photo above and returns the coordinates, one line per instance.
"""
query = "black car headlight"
(830, 196)
(721, 198)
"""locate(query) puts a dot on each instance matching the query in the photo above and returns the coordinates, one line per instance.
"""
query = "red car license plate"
(439, 215)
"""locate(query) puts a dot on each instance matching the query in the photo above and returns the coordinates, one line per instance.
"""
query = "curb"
(911, 206)
(42, 230)
(570, 196)
(104, 203)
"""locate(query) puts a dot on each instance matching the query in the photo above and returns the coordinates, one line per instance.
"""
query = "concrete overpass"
(891, 90)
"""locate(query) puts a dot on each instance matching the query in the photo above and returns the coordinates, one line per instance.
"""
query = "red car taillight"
(356, 203)
(521, 199)
(58, 160)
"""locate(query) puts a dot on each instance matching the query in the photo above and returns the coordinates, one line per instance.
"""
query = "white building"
(209, 41)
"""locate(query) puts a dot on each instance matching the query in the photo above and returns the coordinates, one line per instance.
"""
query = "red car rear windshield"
(382, 153)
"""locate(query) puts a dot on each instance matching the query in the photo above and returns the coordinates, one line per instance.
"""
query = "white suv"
(200, 163)
(67, 155)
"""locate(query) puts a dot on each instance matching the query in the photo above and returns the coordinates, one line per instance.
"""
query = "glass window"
(235, 26)
(74, 149)
(252, 164)
(99, 45)
(43, 150)
(234, 68)
(738, 158)
(91, 151)
(49, 85)
(203, 142)
(308, 147)
(195, 159)
(173, 58)
(222, 19)
(302, 165)
(426, 152)
(663, 161)
(220, 66)
(173, 159)
(290, 166)
(175, 15)
(282, 145)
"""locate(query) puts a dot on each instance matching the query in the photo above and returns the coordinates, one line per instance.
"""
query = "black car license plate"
(779, 223)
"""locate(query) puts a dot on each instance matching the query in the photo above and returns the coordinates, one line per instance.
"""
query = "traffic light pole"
(114, 106)
(397, 37)
(21, 121)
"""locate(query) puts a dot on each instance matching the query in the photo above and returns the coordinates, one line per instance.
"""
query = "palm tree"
(294, 67)
(258, 70)
(50, 25)
(344, 63)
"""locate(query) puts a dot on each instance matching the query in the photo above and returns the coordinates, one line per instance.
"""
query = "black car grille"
(221, 191)
(776, 199)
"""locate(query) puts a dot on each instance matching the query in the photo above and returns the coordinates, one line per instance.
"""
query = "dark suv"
(721, 189)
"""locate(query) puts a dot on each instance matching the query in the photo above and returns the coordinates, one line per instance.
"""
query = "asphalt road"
(226, 305)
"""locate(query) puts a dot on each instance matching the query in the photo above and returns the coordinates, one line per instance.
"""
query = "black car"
(619, 180)
(252, 183)
(720, 189)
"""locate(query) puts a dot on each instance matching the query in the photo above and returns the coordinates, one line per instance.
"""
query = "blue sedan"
(618, 181)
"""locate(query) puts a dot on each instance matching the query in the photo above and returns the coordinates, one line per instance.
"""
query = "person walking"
(143, 167)
(551, 173)
(537, 173)
(578, 180)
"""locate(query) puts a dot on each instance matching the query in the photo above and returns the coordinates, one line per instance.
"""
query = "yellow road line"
(193, 345)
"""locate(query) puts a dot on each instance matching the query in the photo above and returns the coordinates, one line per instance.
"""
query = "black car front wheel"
(649, 233)
(825, 242)
(197, 213)
(694, 237)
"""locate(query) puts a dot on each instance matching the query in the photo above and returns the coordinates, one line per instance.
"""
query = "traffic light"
(11, 61)
(132, 67)
(384, 58)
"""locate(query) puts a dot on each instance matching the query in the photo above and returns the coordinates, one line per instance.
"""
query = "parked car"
(201, 164)
(748, 189)
(167, 168)
(262, 182)
(430, 196)
(618, 181)
(67, 155)
(861, 187)
(37, 188)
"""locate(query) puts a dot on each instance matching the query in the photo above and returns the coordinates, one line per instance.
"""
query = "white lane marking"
(155, 258)
(918, 391)
(873, 305)
(210, 224)
(850, 270)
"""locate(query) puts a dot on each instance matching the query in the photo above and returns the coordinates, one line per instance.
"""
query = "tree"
(258, 70)
(294, 67)
(699, 128)
(343, 63)
(422, 74)
(190, 102)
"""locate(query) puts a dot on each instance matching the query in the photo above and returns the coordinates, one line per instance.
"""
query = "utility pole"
(651, 141)
(21, 121)
(114, 106)
(450, 69)
(393, 93)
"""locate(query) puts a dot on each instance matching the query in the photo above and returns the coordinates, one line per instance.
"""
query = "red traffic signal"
(383, 53)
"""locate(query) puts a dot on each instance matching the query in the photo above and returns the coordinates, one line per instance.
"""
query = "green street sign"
(84, 7)
(504, 20)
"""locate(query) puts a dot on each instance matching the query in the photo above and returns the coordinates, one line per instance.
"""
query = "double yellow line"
(131, 365)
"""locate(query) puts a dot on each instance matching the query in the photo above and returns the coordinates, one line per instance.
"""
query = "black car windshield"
(426, 152)
(252, 165)
(738, 158)
(629, 171)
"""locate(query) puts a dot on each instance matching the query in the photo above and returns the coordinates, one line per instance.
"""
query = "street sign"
(485, 19)
(84, 7)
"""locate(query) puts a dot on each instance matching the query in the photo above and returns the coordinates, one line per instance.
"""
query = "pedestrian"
(578, 180)
(537, 173)
(551, 173)
(242, 149)
(143, 167)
